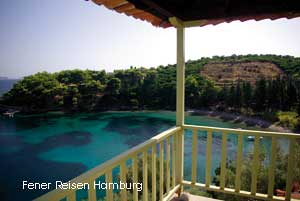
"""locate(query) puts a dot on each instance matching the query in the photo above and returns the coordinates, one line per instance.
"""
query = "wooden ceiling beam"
(99, 2)
(158, 8)
(200, 13)
(125, 7)
(134, 11)
(115, 3)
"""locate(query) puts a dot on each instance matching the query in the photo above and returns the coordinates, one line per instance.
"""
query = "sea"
(58, 147)
(6, 85)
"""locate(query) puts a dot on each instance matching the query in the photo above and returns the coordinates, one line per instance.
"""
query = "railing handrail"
(101, 169)
(242, 131)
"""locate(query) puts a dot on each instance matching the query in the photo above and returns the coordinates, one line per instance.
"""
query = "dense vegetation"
(155, 88)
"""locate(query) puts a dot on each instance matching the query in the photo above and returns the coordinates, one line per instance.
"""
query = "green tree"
(89, 94)
(209, 94)
(71, 97)
(148, 90)
(192, 91)
(34, 92)
(113, 86)
(246, 95)
(237, 101)
(231, 96)
(73, 76)
(100, 76)
(259, 95)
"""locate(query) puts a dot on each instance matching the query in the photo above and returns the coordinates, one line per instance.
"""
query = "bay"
(58, 147)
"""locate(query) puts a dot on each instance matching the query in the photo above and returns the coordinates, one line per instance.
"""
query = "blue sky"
(38, 35)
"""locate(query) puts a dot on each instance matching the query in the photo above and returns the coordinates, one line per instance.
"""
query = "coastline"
(240, 119)
(237, 118)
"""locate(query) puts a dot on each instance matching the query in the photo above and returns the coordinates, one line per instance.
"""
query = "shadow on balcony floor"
(190, 197)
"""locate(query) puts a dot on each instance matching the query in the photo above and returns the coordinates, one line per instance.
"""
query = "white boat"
(251, 138)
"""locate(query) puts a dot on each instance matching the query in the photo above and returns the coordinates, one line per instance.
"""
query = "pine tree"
(247, 95)
(260, 95)
(238, 96)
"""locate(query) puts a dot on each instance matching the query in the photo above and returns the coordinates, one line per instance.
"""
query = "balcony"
(159, 162)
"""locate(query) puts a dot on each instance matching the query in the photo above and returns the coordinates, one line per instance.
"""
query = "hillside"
(155, 88)
(224, 73)
(288, 64)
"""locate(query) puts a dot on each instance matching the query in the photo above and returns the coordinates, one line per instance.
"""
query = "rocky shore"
(239, 118)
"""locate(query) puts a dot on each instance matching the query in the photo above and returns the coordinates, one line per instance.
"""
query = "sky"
(39, 35)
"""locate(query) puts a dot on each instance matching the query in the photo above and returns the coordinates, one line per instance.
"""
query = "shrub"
(289, 120)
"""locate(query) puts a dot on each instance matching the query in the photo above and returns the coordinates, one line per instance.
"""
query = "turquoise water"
(50, 147)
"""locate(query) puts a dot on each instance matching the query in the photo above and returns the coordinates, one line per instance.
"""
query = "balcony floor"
(193, 198)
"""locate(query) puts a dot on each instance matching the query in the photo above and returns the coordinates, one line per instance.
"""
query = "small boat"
(10, 113)
(252, 138)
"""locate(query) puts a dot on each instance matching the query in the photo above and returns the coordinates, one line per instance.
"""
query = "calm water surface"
(6, 85)
(51, 147)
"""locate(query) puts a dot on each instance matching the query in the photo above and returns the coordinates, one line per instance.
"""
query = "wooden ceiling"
(206, 12)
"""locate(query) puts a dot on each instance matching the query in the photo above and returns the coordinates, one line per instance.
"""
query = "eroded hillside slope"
(230, 72)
